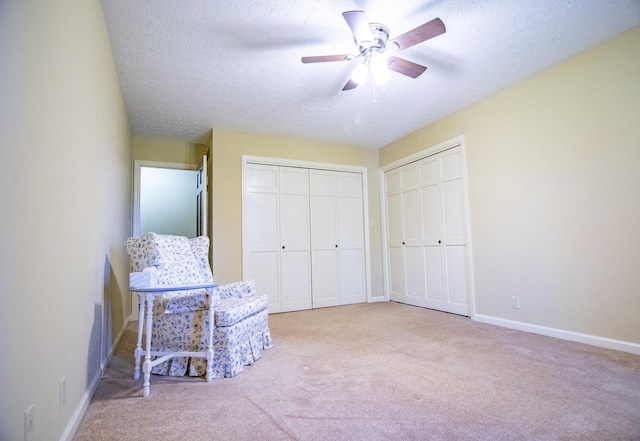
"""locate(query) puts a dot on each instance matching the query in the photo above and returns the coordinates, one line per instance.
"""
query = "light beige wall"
(554, 183)
(227, 150)
(64, 209)
(166, 150)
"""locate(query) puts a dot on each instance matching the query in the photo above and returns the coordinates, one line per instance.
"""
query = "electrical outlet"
(28, 423)
(62, 396)
(515, 302)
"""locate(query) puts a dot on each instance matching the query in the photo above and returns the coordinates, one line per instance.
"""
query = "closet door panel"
(295, 237)
(324, 237)
(453, 208)
(294, 180)
(263, 222)
(394, 218)
(397, 284)
(413, 275)
(262, 202)
(350, 210)
(325, 278)
(409, 177)
(324, 232)
(457, 275)
(294, 221)
(295, 283)
(324, 257)
(431, 214)
(352, 277)
(351, 244)
(262, 259)
(337, 236)
(350, 219)
(262, 178)
(322, 183)
(411, 215)
(393, 181)
(349, 185)
(351, 239)
(263, 267)
(433, 276)
(451, 164)
(429, 171)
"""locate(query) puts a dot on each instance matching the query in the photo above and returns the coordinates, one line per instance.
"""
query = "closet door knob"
(336, 245)
(439, 241)
(402, 243)
(283, 247)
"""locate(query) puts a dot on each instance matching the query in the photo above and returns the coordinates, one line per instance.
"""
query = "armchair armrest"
(181, 298)
(241, 289)
(169, 288)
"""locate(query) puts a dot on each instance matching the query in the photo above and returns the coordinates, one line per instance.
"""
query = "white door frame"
(320, 166)
(454, 142)
(137, 165)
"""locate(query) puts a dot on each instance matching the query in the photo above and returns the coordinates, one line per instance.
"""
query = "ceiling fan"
(374, 48)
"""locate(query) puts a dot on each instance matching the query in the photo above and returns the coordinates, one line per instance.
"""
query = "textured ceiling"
(188, 67)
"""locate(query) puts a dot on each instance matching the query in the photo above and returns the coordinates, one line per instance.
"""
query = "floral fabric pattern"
(181, 318)
(232, 310)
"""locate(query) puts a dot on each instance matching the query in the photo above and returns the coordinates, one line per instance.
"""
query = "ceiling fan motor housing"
(380, 36)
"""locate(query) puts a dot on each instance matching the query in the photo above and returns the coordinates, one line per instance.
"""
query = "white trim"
(367, 247)
(458, 141)
(81, 409)
(302, 164)
(446, 145)
(246, 159)
(71, 428)
(593, 340)
(383, 237)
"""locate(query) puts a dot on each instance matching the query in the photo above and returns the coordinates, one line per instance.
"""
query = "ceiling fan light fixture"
(360, 73)
(379, 68)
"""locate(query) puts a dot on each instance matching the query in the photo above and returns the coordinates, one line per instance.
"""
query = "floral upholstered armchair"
(181, 319)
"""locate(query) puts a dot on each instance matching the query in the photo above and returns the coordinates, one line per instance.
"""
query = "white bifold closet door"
(304, 236)
(426, 240)
(277, 253)
(337, 238)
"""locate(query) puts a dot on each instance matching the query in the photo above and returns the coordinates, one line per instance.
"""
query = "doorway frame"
(137, 165)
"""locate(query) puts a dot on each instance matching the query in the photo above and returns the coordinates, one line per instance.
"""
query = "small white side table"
(146, 296)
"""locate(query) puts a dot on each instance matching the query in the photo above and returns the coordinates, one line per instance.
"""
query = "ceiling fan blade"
(350, 85)
(323, 58)
(405, 67)
(422, 33)
(359, 25)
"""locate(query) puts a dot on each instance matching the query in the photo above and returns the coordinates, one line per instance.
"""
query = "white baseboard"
(78, 414)
(593, 340)
(74, 422)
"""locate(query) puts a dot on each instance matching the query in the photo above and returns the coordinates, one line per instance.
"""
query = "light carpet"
(382, 371)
